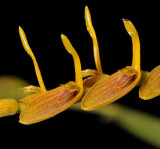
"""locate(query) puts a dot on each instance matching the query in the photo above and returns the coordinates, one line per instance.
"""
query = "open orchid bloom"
(92, 76)
(107, 89)
(45, 104)
(150, 88)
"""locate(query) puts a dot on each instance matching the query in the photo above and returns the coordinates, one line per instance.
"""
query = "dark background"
(43, 23)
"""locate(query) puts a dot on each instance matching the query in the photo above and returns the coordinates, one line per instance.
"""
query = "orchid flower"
(106, 89)
(45, 104)
(50, 103)
(92, 76)
(150, 88)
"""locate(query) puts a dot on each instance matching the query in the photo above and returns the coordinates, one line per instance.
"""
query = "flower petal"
(89, 82)
(110, 89)
(151, 86)
(50, 103)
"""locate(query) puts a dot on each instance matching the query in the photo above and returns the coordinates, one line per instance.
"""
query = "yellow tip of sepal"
(67, 44)
(92, 33)
(129, 27)
(25, 42)
(88, 22)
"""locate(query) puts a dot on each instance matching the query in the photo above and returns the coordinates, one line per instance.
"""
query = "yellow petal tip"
(23, 122)
(19, 28)
(62, 36)
(87, 108)
(129, 27)
(86, 8)
(150, 88)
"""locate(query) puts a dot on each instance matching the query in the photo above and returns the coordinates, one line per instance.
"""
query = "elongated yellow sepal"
(71, 50)
(92, 33)
(8, 107)
(135, 43)
(29, 51)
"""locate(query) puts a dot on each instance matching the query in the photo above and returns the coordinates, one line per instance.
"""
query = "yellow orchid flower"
(45, 104)
(92, 76)
(150, 88)
(99, 89)
(106, 89)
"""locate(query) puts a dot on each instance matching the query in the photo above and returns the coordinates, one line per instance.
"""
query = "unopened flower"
(150, 88)
(8, 107)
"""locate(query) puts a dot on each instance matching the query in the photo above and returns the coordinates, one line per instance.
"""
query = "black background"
(43, 23)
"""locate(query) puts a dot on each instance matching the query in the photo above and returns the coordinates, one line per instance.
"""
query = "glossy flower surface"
(45, 104)
(106, 89)
(150, 88)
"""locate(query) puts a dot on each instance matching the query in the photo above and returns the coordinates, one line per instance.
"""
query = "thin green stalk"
(140, 124)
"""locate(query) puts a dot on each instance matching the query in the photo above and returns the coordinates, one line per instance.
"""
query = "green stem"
(140, 124)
